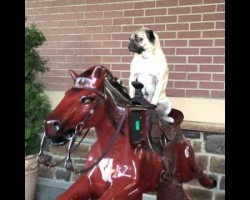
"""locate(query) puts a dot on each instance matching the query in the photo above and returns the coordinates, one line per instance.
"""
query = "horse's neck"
(105, 132)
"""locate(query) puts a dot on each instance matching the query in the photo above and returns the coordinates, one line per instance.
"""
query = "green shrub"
(37, 104)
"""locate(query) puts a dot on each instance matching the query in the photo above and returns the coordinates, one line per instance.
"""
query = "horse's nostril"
(57, 125)
(52, 128)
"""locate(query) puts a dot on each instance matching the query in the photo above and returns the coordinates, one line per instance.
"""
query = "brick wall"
(82, 33)
(209, 150)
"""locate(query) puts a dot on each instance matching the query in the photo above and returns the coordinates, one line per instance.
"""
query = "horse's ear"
(97, 72)
(73, 75)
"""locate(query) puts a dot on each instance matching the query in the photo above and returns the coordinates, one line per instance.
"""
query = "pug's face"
(141, 40)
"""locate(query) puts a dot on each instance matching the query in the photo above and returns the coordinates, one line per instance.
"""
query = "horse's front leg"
(80, 190)
(124, 191)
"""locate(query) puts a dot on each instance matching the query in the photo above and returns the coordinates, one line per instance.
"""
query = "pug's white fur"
(151, 69)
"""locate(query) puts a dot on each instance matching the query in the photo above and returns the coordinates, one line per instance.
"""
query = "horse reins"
(78, 129)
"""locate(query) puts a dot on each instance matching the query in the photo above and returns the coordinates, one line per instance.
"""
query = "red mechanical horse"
(126, 160)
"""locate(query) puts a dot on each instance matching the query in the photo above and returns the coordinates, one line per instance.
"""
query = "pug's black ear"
(150, 35)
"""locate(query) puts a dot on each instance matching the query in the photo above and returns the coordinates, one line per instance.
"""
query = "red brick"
(177, 76)
(75, 58)
(130, 28)
(47, 51)
(92, 29)
(47, 24)
(119, 67)
(113, 44)
(197, 93)
(42, 17)
(93, 59)
(120, 52)
(219, 59)
(93, 22)
(199, 76)
(178, 10)
(214, 17)
(220, 25)
(219, 42)
(66, 30)
(213, 34)
(201, 42)
(185, 84)
(189, 34)
(175, 92)
(120, 36)
(170, 84)
(120, 21)
(189, 2)
(58, 44)
(179, 26)
(57, 59)
(187, 51)
(140, 5)
(143, 20)
(174, 43)
(113, 14)
(218, 94)
(125, 74)
(111, 59)
(169, 51)
(92, 44)
(211, 85)
(56, 87)
(220, 7)
(102, 36)
(203, 9)
(59, 3)
(66, 23)
(93, 1)
(213, 1)
(212, 51)
(164, 3)
(202, 26)
(186, 68)
(83, 51)
(65, 51)
(94, 15)
(155, 27)
(101, 52)
(133, 13)
(127, 59)
(167, 35)
(212, 68)
(67, 16)
(176, 59)
(199, 59)
(189, 18)
(67, 9)
(112, 29)
(218, 77)
(56, 73)
(154, 12)
(165, 19)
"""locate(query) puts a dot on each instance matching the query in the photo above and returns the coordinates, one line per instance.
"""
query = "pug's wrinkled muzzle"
(135, 47)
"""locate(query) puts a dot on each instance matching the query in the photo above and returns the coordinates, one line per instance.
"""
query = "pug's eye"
(86, 100)
(137, 39)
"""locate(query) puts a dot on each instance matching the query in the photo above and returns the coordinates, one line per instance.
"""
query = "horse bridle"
(78, 128)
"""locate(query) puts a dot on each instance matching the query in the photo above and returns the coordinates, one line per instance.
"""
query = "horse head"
(78, 105)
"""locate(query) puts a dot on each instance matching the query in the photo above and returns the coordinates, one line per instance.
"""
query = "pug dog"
(149, 66)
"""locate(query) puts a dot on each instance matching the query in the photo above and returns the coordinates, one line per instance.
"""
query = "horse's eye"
(86, 100)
